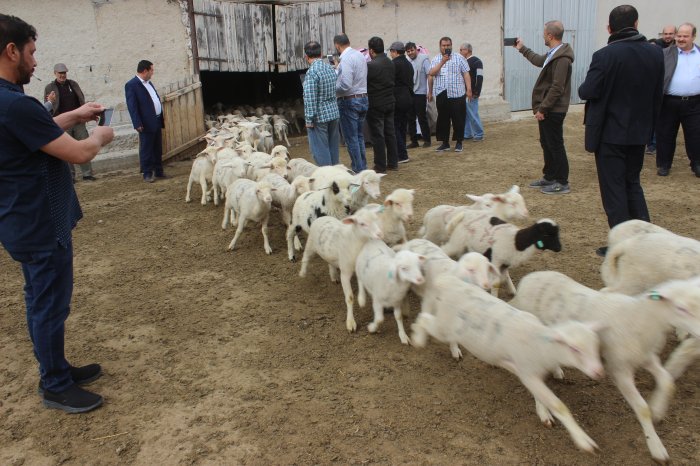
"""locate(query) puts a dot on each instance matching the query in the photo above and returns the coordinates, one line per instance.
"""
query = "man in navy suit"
(146, 113)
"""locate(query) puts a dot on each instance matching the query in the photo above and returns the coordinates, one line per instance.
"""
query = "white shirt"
(686, 79)
(352, 73)
(152, 92)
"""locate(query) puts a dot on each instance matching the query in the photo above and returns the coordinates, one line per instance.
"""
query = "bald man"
(668, 36)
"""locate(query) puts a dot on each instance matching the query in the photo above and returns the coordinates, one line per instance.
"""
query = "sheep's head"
(279, 165)
(280, 151)
(580, 345)
(401, 201)
(510, 205)
(340, 189)
(301, 184)
(475, 268)
(408, 267)
(369, 182)
(366, 222)
(263, 191)
(683, 297)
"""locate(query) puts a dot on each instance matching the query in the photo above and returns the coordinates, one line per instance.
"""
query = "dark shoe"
(661, 171)
(393, 168)
(162, 177)
(541, 183)
(458, 147)
(556, 188)
(72, 400)
(651, 150)
(443, 147)
(426, 144)
(89, 178)
(406, 160)
(413, 145)
(82, 375)
(149, 179)
(379, 170)
(602, 251)
(696, 169)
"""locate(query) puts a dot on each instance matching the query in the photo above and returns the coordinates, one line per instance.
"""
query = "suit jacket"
(623, 92)
(141, 108)
(380, 81)
(52, 86)
(403, 83)
(670, 63)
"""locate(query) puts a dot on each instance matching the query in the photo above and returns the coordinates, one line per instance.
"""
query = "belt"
(683, 97)
(354, 96)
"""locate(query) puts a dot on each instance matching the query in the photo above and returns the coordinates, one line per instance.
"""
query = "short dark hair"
(621, 17)
(410, 45)
(143, 66)
(376, 44)
(341, 39)
(312, 49)
(14, 30)
(445, 39)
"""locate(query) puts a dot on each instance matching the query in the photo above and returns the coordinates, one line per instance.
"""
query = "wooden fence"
(183, 110)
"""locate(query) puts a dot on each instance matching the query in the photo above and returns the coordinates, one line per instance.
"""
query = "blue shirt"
(352, 73)
(38, 204)
(320, 104)
(686, 78)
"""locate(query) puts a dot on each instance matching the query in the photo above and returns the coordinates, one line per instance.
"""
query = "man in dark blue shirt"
(39, 209)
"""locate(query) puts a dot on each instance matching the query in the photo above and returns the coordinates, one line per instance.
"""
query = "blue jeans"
(473, 128)
(48, 289)
(323, 141)
(352, 118)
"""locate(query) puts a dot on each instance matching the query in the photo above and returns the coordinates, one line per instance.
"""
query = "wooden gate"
(183, 111)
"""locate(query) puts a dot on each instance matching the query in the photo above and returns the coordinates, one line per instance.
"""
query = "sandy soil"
(214, 357)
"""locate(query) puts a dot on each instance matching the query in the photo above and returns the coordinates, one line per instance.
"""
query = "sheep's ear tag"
(654, 295)
(390, 275)
(380, 210)
(354, 188)
(539, 244)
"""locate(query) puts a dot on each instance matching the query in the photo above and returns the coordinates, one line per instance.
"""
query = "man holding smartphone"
(550, 102)
(449, 82)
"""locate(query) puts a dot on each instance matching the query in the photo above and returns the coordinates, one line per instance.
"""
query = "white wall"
(102, 41)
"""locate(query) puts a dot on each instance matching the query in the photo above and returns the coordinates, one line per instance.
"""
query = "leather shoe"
(661, 171)
(378, 170)
(89, 178)
(696, 169)
(73, 400)
(426, 144)
(412, 145)
(82, 375)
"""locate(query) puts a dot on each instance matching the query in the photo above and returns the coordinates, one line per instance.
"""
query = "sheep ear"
(498, 199)
(494, 270)
(514, 189)
(311, 180)
(381, 175)
(348, 220)
(388, 202)
(473, 197)
(422, 259)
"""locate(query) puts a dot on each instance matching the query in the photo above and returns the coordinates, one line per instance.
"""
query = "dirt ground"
(215, 357)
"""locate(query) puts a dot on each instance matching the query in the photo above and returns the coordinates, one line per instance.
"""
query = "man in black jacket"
(403, 94)
(380, 116)
(623, 91)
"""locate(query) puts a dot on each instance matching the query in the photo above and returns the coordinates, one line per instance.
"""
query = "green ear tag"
(540, 244)
(390, 274)
(654, 295)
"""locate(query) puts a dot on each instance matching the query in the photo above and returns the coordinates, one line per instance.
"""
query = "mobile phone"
(106, 117)
(448, 51)
(330, 59)
(509, 41)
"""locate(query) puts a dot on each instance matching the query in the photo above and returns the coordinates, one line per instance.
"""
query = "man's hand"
(519, 43)
(445, 58)
(539, 116)
(430, 96)
(309, 125)
(139, 129)
(51, 97)
(88, 112)
(104, 134)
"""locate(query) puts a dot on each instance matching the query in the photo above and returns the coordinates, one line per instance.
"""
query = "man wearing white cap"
(68, 97)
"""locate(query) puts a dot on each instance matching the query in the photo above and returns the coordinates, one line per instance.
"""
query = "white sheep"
(460, 313)
(364, 188)
(333, 201)
(630, 228)
(202, 172)
(387, 276)
(226, 171)
(281, 127)
(397, 209)
(277, 165)
(508, 206)
(285, 193)
(504, 244)
(248, 200)
(300, 167)
(324, 176)
(634, 333)
(266, 142)
(339, 242)
(280, 151)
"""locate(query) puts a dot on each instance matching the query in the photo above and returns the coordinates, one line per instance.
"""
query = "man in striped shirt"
(450, 84)
(320, 107)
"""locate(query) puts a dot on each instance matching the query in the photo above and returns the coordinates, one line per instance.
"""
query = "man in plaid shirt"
(320, 107)
(448, 82)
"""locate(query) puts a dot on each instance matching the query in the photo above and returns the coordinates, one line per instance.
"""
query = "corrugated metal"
(525, 19)
(299, 23)
(233, 36)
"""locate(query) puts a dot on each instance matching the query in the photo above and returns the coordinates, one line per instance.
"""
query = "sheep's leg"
(290, 242)
(682, 357)
(203, 184)
(241, 225)
(286, 216)
(624, 380)
(309, 252)
(544, 414)
(398, 315)
(266, 240)
(215, 187)
(189, 189)
(665, 388)
(284, 133)
(378, 316)
(455, 351)
(333, 273)
(361, 293)
(405, 306)
(227, 213)
(509, 282)
(549, 401)
(345, 277)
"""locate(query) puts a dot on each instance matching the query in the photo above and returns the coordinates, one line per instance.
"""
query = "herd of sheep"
(652, 276)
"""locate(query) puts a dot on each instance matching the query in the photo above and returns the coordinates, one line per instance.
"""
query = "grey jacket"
(670, 63)
(52, 86)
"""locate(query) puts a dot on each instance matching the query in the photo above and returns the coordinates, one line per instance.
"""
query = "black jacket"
(403, 83)
(623, 91)
(380, 81)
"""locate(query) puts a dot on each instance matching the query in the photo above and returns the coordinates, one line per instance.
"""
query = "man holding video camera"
(448, 82)
(550, 102)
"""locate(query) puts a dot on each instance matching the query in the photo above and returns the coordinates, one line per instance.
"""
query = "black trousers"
(556, 165)
(420, 110)
(450, 110)
(381, 125)
(674, 113)
(618, 176)
(400, 122)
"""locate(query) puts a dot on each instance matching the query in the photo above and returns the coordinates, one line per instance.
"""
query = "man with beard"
(38, 210)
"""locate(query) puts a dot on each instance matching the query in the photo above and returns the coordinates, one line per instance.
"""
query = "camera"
(509, 41)
(448, 51)
(330, 59)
